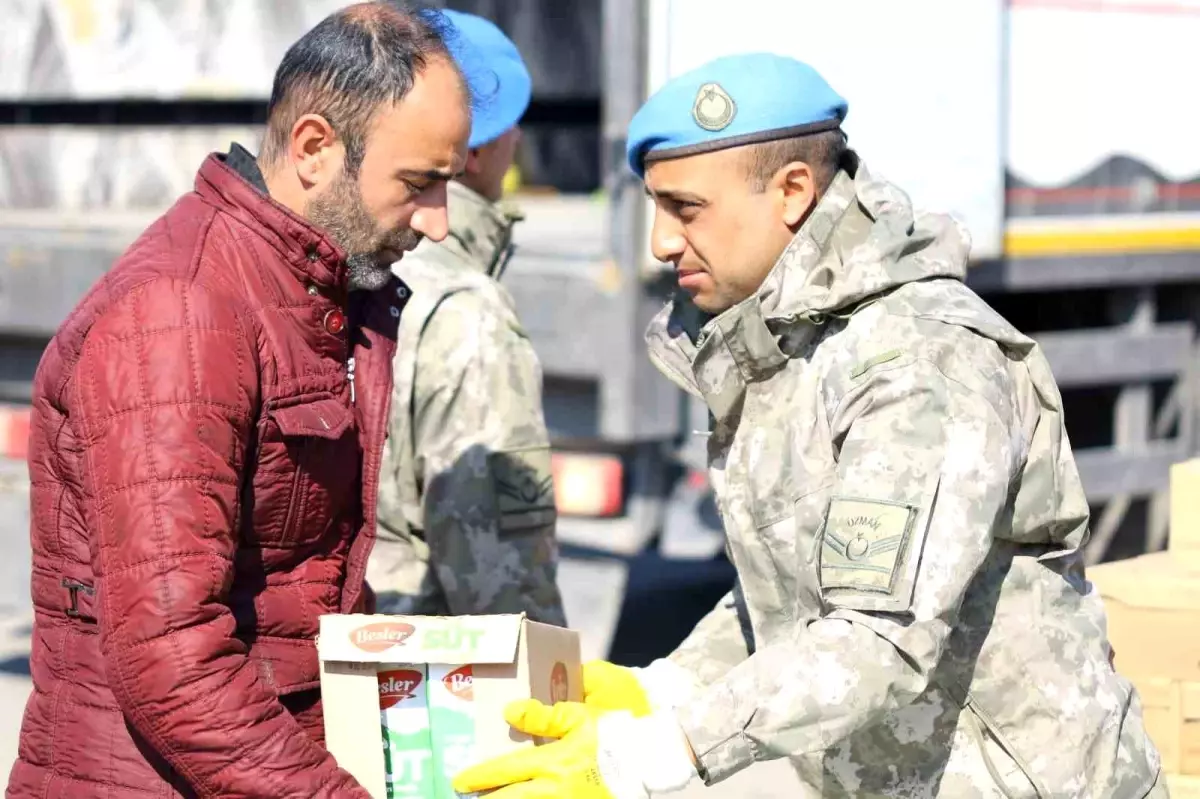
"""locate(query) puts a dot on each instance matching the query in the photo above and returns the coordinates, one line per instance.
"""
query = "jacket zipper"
(350, 376)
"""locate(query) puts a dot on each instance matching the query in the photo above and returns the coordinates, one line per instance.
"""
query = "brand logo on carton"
(460, 683)
(396, 686)
(381, 636)
(559, 683)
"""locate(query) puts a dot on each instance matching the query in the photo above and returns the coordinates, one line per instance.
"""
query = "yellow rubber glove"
(566, 767)
(597, 755)
(607, 686)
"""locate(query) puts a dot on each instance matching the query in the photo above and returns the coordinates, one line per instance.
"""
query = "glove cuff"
(639, 756)
(667, 685)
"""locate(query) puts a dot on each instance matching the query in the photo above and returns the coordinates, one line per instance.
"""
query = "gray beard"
(365, 274)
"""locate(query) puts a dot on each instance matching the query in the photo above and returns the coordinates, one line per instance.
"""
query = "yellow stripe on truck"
(1041, 243)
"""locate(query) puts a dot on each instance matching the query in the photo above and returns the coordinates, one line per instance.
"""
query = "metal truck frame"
(1118, 304)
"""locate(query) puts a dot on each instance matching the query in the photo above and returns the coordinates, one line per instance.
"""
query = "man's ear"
(314, 149)
(798, 189)
(472, 167)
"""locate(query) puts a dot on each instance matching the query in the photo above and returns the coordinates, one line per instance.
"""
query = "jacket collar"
(306, 249)
(480, 230)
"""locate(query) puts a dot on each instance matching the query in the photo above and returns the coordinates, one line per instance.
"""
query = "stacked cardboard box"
(1153, 607)
(1183, 787)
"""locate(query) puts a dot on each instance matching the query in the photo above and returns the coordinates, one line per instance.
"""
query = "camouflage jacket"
(466, 512)
(905, 516)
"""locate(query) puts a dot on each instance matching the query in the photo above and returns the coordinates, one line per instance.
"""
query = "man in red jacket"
(208, 426)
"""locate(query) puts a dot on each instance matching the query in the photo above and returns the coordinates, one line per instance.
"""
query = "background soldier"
(467, 508)
(895, 479)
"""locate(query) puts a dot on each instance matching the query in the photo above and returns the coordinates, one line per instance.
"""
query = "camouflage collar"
(480, 230)
(861, 242)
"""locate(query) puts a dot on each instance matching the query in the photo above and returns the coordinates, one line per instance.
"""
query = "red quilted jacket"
(204, 485)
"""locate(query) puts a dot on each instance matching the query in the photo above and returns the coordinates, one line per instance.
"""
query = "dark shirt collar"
(241, 161)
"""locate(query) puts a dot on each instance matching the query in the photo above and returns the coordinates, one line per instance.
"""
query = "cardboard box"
(1183, 787)
(1171, 710)
(1153, 608)
(1184, 539)
(409, 700)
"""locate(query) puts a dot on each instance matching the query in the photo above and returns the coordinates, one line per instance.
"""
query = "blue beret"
(732, 101)
(499, 81)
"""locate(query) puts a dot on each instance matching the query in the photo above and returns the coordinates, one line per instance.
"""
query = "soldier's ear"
(797, 188)
(472, 166)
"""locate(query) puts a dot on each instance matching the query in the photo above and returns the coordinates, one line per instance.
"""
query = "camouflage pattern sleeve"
(714, 646)
(922, 476)
(483, 458)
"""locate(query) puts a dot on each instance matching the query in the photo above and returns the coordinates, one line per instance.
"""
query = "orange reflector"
(587, 485)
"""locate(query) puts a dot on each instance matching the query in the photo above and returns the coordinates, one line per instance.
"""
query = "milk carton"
(451, 723)
(408, 761)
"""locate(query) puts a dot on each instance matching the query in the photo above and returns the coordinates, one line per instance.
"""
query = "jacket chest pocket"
(307, 475)
(786, 547)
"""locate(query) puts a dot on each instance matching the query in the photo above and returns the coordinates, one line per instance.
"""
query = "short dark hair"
(823, 152)
(353, 61)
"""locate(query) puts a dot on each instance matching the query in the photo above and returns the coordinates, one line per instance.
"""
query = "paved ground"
(14, 606)
(14, 688)
(591, 588)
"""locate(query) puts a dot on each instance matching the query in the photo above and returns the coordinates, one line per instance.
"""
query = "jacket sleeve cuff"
(642, 757)
(719, 755)
(667, 685)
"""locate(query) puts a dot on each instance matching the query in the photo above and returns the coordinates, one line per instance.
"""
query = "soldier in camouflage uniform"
(466, 512)
(896, 483)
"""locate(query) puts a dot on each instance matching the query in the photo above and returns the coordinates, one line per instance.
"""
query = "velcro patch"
(524, 488)
(864, 544)
(872, 362)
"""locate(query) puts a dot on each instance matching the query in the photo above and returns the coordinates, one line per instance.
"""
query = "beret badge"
(714, 109)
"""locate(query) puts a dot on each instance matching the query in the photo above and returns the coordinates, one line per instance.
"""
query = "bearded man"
(208, 429)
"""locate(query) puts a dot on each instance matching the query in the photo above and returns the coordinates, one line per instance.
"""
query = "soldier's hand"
(595, 755)
(607, 686)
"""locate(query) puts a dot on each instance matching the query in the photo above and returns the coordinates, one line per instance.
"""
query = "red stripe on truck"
(14, 431)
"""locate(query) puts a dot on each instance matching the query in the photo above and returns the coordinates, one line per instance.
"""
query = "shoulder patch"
(864, 544)
(872, 362)
(524, 487)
